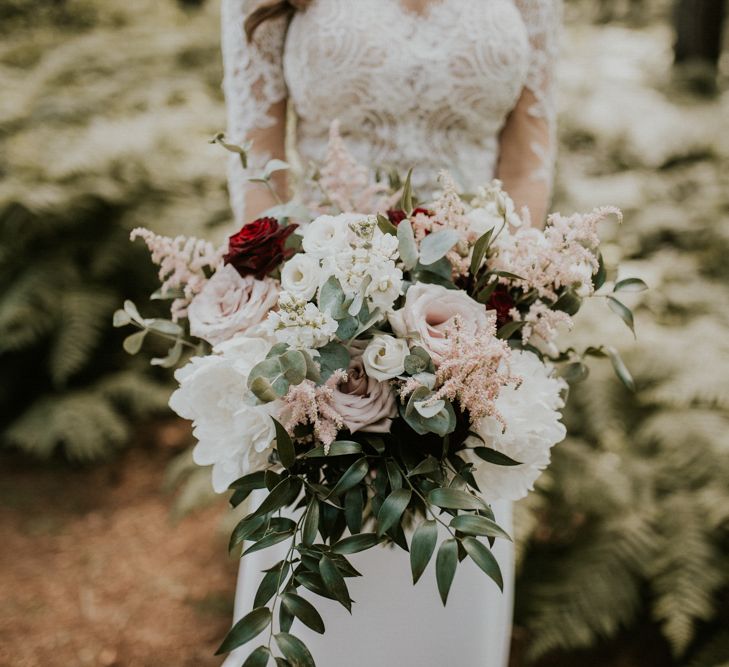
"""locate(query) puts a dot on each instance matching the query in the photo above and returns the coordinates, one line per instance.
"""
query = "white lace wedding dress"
(427, 91)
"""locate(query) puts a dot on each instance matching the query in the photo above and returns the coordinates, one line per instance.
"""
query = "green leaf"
(311, 523)
(445, 567)
(244, 529)
(268, 380)
(280, 495)
(455, 499)
(575, 372)
(294, 649)
(599, 277)
(406, 200)
(164, 327)
(630, 285)
(334, 582)
(131, 310)
(428, 465)
(133, 343)
(285, 619)
(394, 476)
(568, 302)
(351, 477)
(625, 314)
(492, 456)
(293, 365)
(268, 541)
(273, 166)
(171, 358)
(337, 448)
(392, 509)
(509, 329)
(259, 658)
(332, 357)
(472, 524)
(437, 245)
(482, 556)
(406, 245)
(269, 584)
(284, 445)
(304, 611)
(347, 328)
(621, 370)
(386, 227)
(246, 629)
(282, 662)
(422, 547)
(355, 543)
(479, 251)
(353, 509)
(414, 364)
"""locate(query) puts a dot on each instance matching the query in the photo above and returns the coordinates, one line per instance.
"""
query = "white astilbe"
(530, 412)
(300, 324)
(183, 262)
(562, 255)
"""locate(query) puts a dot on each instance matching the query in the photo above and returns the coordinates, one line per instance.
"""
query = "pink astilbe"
(542, 325)
(408, 387)
(309, 404)
(474, 370)
(184, 264)
(563, 255)
(448, 212)
(348, 184)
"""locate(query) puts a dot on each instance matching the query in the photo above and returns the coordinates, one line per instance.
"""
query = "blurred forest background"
(113, 548)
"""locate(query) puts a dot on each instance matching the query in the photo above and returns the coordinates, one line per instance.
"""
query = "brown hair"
(272, 9)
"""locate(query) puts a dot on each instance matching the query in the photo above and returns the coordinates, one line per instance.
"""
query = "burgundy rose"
(397, 215)
(501, 301)
(258, 248)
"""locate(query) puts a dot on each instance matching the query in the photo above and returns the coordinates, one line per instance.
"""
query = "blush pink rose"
(365, 404)
(428, 313)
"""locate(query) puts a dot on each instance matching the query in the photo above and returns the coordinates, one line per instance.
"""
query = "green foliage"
(88, 152)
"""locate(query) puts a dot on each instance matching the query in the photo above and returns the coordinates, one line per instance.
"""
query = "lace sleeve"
(543, 19)
(253, 84)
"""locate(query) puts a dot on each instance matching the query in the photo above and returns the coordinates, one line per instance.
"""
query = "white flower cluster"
(234, 434)
(531, 414)
(300, 324)
(353, 250)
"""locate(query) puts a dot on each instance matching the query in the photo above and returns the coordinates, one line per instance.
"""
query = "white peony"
(428, 312)
(230, 304)
(384, 357)
(531, 412)
(234, 434)
(301, 276)
(327, 234)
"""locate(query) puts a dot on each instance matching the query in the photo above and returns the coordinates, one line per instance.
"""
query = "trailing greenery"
(102, 129)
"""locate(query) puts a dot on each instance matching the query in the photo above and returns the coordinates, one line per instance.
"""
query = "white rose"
(428, 313)
(230, 304)
(327, 233)
(301, 276)
(384, 357)
(533, 427)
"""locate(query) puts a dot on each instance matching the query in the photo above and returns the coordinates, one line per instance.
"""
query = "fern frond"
(135, 393)
(84, 316)
(687, 572)
(83, 423)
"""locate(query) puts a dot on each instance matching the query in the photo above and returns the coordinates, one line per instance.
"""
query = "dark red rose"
(501, 301)
(397, 215)
(258, 248)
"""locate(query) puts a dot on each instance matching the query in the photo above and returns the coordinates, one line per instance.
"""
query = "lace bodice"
(427, 90)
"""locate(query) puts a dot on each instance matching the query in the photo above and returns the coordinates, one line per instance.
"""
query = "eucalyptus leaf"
(133, 343)
(333, 356)
(331, 299)
(172, 357)
(164, 326)
(406, 244)
(121, 318)
(437, 245)
(575, 372)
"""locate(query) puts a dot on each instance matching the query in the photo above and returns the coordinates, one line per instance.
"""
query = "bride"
(461, 84)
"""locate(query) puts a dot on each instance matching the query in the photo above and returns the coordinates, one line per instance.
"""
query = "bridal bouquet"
(379, 372)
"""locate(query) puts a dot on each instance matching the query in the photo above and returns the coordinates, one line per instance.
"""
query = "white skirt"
(394, 623)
